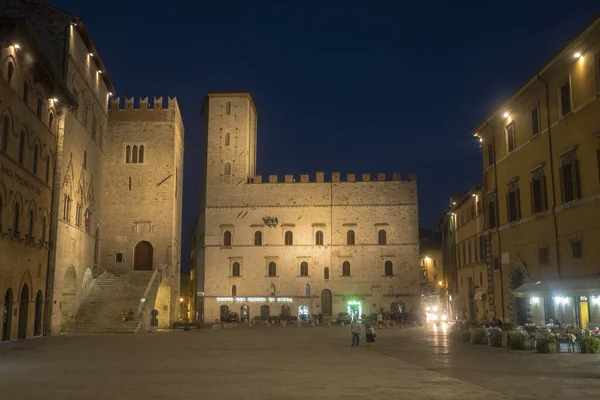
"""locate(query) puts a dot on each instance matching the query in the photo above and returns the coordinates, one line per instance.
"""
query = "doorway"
(245, 313)
(143, 256)
(7, 315)
(354, 309)
(23, 312)
(223, 313)
(519, 303)
(326, 307)
(265, 312)
(303, 314)
(584, 312)
(39, 305)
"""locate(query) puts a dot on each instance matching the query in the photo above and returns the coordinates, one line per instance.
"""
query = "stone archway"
(68, 302)
(88, 280)
(7, 315)
(23, 312)
(163, 304)
(39, 307)
(326, 303)
(143, 256)
(517, 276)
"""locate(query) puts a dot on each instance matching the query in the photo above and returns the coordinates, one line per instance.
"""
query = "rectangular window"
(535, 120)
(457, 256)
(545, 256)
(513, 204)
(464, 252)
(564, 98)
(481, 247)
(490, 153)
(510, 137)
(576, 249)
(480, 278)
(94, 129)
(538, 194)
(569, 180)
(462, 281)
(119, 257)
(470, 253)
(492, 213)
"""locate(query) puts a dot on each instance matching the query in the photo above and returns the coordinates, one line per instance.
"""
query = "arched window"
(289, 238)
(258, 238)
(85, 160)
(134, 154)
(227, 139)
(11, 72)
(346, 268)
(227, 238)
(31, 224)
(21, 148)
(307, 290)
(47, 177)
(4, 139)
(36, 154)
(381, 237)
(326, 273)
(43, 238)
(227, 169)
(128, 154)
(234, 290)
(389, 268)
(26, 93)
(38, 107)
(235, 269)
(141, 155)
(51, 122)
(319, 238)
(272, 289)
(350, 238)
(272, 269)
(303, 268)
(15, 224)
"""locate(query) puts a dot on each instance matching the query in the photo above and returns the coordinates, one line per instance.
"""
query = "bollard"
(342, 324)
(329, 324)
(313, 324)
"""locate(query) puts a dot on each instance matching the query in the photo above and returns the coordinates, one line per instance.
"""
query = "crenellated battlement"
(140, 109)
(335, 178)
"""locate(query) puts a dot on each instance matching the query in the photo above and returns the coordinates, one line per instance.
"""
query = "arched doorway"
(519, 303)
(285, 311)
(68, 301)
(163, 304)
(23, 312)
(143, 257)
(87, 282)
(326, 302)
(303, 313)
(39, 306)
(223, 313)
(7, 315)
(265, 312)
(244, 313)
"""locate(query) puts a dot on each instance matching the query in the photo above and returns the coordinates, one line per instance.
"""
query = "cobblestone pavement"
(290, 363)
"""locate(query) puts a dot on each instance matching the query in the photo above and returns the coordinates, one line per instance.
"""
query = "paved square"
(286, 363)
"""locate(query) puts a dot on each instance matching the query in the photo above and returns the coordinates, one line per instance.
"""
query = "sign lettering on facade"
(22, 181)
(254, 300)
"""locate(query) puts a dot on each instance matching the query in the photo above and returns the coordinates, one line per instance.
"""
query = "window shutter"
(576, 185)
(532, 197)
(561, 173)
(544, 198)
(518, 193)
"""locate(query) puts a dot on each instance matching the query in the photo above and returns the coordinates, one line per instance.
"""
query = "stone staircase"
(101, 308)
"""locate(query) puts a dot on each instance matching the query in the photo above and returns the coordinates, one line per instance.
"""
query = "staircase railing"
(142, 309)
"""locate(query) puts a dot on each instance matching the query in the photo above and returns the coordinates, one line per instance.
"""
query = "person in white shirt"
(355, 329)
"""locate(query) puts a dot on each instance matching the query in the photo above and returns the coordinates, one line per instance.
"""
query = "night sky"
(376, 87)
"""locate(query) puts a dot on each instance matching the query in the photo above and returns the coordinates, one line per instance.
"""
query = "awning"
(581, 286)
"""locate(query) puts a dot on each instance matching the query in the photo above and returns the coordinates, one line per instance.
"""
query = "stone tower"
(143, 196)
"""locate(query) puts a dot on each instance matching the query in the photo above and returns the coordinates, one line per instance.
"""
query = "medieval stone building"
(268, 248)
(77, 200)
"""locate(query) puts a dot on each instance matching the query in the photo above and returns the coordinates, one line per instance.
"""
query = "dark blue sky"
(376, 87)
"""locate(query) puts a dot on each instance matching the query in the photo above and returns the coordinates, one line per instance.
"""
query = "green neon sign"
(353, 303)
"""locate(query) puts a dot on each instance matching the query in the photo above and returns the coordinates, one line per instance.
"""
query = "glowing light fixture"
(181, 299)
(91, 54)
(480, 140)
(16, 46)
(577, 55)
(110, 94)
(99, 71)
(505, 115)
(440, 283)
(54, 100)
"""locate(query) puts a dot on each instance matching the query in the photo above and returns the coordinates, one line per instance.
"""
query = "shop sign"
(254, 300)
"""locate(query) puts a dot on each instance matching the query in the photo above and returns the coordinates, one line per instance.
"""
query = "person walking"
(370, 334)
(355, 329)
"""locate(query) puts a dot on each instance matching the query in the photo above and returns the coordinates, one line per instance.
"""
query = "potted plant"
(546, 343)
(495, 338)
(589, 344)
(516, 340)
(479, 336)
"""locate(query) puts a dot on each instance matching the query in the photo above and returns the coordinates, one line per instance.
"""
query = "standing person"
(355, 329)
(370, 334)
(379, 320)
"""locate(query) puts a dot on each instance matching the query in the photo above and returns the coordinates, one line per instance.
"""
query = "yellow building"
(472, 301)
(431, 271)
(541, 161)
